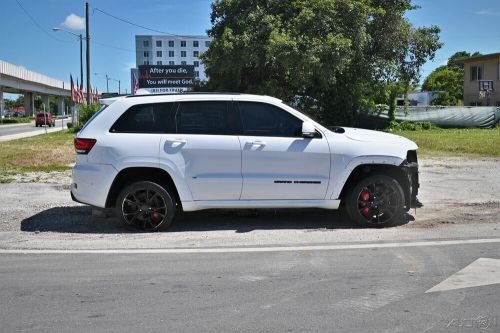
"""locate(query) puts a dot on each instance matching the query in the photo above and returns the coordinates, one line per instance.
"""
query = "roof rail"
(188, 93)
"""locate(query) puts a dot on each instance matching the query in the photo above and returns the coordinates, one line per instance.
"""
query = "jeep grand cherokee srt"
(150, 156)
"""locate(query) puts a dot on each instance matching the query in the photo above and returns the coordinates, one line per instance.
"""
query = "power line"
(112, 46)
(39, 26)
(134, 24)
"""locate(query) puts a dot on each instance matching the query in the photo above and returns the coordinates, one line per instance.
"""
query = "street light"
(119, 90)
(81, 52)
(107, 80)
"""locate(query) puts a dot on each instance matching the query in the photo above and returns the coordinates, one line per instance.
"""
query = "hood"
(363, 135)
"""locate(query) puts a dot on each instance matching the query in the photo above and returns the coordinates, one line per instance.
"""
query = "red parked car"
(49, 119)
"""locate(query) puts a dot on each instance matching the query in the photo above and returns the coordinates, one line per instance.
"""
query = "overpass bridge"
(18, 80)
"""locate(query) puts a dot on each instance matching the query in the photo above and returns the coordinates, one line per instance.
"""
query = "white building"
(172, 50)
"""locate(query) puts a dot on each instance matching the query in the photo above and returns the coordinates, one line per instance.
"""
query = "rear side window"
(261, 119)
(145, 118)
(203, 118)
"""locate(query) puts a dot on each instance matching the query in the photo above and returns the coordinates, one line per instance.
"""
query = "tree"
(324, 56)
(448, 81)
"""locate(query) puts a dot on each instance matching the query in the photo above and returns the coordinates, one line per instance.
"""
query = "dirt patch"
(457, 191)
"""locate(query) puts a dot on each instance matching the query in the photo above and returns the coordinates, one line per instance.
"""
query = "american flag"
(136, 83)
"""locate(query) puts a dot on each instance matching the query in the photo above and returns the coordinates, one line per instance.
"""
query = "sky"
(27, 39)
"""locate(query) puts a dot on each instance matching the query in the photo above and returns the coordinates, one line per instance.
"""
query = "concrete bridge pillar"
(46, 102)
(2, 105)
(29, 104)
(60, 105)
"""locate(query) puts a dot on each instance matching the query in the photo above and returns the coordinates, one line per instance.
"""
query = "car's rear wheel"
(376, 201)
(145, 206)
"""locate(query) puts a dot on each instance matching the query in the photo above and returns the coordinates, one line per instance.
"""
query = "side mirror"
(308, 130)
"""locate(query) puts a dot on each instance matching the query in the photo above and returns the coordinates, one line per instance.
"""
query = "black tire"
(376, 201)
(145, 206)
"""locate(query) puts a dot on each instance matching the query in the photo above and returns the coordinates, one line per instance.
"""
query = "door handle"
(176, 143)
(257, 143)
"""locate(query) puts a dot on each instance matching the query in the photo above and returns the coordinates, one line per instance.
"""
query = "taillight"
(83, 146)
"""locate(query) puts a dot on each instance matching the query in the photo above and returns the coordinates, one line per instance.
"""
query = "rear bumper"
(91, 183)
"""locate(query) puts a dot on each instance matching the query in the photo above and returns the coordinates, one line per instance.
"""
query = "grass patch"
(471, 142)
(46, 152)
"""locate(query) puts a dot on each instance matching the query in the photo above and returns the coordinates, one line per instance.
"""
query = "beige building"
(482, 80)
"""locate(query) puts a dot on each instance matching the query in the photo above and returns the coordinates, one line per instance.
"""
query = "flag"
(79, 98)
(136, 83)
(77, 92)
(72, 86)
(82, 94)
(96, 96)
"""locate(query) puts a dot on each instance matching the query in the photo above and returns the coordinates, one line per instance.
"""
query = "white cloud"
(444, 62)
(74, 22)
(487, 12)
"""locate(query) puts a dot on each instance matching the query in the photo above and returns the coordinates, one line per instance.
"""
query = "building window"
(195, 43)
(183, 54)
(171, 54)
(170, 62)
(159, 54)
(158, 43)
(476, 73)
(196, 54)
(183, 63)
(196, 64)
(145, 43)
(196, 74)
(159, 62)
(207, 43)
(183, 43)
(146, 62)
(146, 54)
(170, 43)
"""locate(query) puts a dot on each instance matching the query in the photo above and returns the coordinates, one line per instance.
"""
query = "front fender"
(341, 175)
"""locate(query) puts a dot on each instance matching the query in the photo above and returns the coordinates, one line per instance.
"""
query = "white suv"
(153, 155)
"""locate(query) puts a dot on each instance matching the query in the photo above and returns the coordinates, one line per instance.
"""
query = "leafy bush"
(69, 124)
(19, 120)
(395, 126)
(86, 112)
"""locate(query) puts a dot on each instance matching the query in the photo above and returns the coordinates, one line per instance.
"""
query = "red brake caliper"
(156, 216)
(365, 197)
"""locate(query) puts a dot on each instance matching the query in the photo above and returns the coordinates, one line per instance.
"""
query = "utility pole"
(87, 39)
(81, 56)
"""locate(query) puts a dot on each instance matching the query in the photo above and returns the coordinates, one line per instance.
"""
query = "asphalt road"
(27, 128)
(343, 290)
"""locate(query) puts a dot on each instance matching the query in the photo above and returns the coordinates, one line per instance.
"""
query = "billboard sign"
(166, 76)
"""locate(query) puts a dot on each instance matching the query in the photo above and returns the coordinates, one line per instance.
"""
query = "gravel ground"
(37, 212)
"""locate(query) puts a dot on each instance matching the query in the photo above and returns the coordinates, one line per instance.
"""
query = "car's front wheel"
(146, 206)
(376, 201)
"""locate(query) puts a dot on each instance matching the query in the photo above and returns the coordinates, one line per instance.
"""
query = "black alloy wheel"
(376, 201)
(145, 206)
